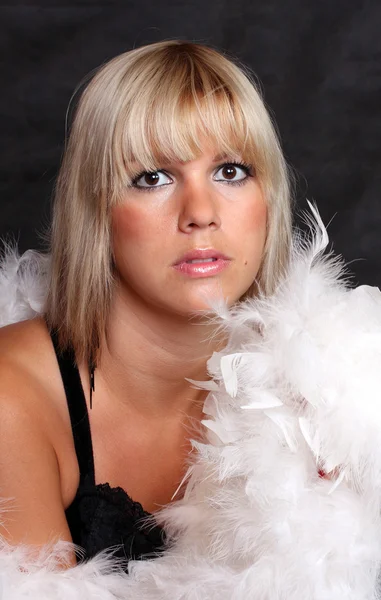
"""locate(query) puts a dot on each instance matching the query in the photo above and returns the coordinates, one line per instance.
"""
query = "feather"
(22, 284)
(297, 387)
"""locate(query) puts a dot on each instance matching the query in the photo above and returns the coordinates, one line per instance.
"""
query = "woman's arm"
(32, 567)
(32, 510)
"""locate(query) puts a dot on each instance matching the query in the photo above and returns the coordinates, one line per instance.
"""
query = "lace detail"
(105, 517)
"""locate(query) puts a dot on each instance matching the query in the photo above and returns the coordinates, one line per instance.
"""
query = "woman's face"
(190, 231)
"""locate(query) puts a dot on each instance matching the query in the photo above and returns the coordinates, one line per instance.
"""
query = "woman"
(173, 198)
(173, 193)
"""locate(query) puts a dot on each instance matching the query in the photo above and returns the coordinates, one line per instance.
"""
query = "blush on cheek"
(139, 222)
(254, 220)
(128, 223)
(254, 231)
(258, 212)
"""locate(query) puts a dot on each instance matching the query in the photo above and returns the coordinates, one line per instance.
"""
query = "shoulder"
(21, 341)
(29, 374)
(32, 399)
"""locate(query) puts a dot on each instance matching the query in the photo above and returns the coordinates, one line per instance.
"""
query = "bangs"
(180, 104)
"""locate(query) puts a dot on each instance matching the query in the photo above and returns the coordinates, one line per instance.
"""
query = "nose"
(199, 207)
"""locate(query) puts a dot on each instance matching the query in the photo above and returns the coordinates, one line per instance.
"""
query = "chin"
(206, 301)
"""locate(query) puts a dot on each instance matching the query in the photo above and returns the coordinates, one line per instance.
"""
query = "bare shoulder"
(27, 362)
(26, 344)
(33, 406)
(28, 372)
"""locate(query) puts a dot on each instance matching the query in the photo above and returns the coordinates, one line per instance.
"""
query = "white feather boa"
(296, 390)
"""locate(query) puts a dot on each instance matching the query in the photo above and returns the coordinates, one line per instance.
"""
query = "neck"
(147, 354)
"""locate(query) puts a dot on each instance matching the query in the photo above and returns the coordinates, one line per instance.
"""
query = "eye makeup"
(246, 167)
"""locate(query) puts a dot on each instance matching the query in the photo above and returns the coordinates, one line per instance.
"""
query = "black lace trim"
(105, 517)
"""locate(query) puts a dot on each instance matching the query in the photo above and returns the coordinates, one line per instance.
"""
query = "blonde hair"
(145, 106)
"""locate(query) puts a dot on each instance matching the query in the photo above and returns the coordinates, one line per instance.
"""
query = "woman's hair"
(149, 105)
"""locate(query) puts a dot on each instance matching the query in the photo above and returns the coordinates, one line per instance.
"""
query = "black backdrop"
(319, 62)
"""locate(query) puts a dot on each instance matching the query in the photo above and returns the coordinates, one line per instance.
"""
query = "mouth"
(202, 262)
(201, 255)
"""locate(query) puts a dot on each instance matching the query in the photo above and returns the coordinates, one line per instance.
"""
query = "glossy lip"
(197, 270)
(201, 253)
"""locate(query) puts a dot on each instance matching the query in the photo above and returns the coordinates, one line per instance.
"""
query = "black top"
(100, 516)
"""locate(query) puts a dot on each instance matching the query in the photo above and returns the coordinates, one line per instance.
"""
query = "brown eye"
(232, 173)
(229, 172)
(151, 180)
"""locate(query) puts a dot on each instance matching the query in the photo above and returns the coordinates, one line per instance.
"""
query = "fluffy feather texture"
(295, 391)
(22, 284)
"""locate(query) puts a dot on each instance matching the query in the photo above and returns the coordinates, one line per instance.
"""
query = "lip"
(202, 269)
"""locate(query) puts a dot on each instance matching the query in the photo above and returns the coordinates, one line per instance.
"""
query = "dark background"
(319, 62)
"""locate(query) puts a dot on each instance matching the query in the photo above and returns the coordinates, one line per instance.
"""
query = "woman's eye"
(232, 172)
(151, 180)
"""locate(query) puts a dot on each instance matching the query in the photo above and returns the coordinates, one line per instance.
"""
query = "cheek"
(128, 225)
(251, 227)
(255, 219)
(252, 233)
(131, 235)
(134, 229)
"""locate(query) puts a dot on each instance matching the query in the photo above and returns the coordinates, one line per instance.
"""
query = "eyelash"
(247, 168)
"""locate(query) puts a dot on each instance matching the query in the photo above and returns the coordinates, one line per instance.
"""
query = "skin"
(157, 310)
(154, 310)
(190, 207)
(144, 411)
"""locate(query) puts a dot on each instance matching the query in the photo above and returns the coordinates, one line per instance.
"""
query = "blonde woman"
(173, 192)
(173, 199)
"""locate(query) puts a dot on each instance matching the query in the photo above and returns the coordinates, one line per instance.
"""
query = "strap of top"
(76, 402)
